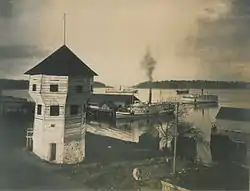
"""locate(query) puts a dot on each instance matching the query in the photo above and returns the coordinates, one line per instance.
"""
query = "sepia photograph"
(125, 95)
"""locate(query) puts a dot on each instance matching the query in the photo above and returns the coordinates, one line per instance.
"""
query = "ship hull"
(200, 100)
(131, 92)
(179, 92)
(127, 115)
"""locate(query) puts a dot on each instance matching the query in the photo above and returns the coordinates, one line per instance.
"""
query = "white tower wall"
(65, 130)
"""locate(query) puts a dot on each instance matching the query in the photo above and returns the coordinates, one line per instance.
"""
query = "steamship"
(145, 110)
(121, 90)
(199, 98)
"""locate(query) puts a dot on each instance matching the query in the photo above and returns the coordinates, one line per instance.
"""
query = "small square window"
(74, 109)
(78, 89)
(39, 109)
(54, 110)
(54, 88)
(52, 125)
(34, 87)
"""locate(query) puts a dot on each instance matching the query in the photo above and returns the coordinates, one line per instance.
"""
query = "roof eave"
(37, 73)
(227, 119)
(27, 72)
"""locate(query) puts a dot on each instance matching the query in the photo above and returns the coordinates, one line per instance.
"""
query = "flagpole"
(64, 28)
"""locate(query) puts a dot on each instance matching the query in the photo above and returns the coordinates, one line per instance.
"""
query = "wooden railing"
(29, 133)
(29, 140)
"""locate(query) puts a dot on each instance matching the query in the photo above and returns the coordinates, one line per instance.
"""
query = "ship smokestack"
(148, 63)
(150, 96)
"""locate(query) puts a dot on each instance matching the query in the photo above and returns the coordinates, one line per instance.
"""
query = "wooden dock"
(105, 130)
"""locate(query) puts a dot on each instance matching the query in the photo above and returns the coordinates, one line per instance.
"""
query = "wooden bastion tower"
(60, 86)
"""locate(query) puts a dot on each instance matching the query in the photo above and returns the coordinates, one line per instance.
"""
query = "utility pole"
(175, 137)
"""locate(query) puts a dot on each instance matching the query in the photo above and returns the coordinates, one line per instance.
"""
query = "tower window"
(54, 88)
(78, 89)
(54, 110)
(34, 87)
(74, 109)
(39, 109)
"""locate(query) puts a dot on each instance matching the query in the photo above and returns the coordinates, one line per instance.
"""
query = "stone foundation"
(74, 152)
(166, 186)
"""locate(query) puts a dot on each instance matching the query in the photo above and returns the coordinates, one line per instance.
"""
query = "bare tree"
(166, 130)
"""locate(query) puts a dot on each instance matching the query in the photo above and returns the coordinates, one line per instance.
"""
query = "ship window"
(52, 125)
(34, 87)
(39, 109)
(54, 110)
(74, 109)
(54, 88)
(78, 89)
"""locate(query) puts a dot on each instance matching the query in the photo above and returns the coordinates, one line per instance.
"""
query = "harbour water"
(202, 116)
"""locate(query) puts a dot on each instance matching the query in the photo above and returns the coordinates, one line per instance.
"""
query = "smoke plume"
(148, 63)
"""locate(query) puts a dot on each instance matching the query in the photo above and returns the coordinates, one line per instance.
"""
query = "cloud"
(6, 8)
(221, 45)
(21, 52)
(16, 59)
(191, 39)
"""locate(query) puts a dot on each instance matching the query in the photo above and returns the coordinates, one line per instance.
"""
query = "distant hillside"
(24, 84)
(195, 84)
(13, 84)
(99, 85)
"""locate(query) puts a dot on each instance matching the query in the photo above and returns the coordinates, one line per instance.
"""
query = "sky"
(188, 39)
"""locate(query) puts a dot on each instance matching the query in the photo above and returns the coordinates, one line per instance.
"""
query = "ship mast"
(160, 95)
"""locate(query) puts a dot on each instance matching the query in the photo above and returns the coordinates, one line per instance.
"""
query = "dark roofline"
(231, 108)
(233, 114)
(55, 61)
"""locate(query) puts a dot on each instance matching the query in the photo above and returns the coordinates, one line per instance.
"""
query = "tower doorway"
(52, 151)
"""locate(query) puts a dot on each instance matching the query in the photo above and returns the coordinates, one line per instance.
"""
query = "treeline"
(99, 85)
(8, 84)
(194, 84)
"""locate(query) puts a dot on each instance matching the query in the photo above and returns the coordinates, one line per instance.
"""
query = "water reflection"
(205, 106)
(156, 134)
(153, 135)
(127, 129)
(124, 139)
(202, 116)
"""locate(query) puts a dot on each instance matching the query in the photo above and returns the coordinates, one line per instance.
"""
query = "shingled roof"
(62, 62)
(233, 114)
